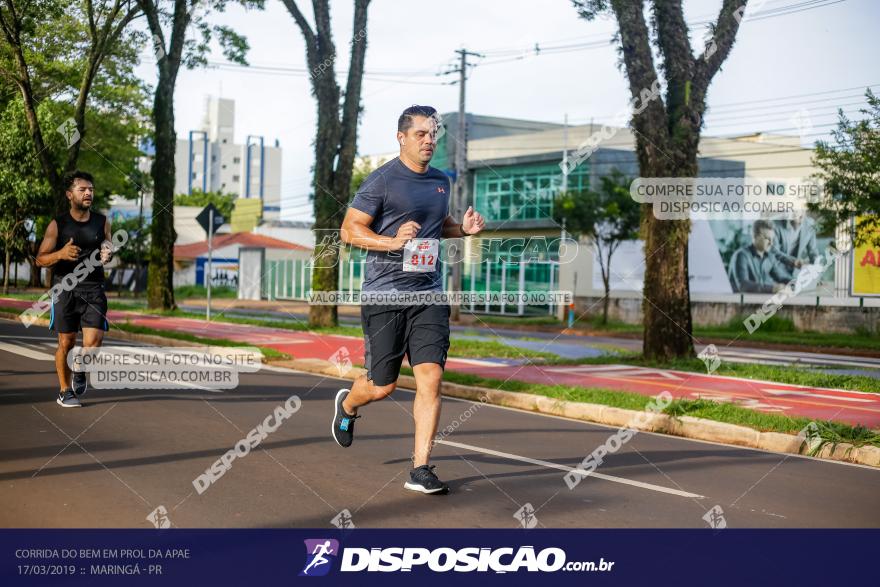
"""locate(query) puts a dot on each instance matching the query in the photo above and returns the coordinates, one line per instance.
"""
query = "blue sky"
(819, 56)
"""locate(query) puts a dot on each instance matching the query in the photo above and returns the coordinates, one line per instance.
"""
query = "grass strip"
(830, 432)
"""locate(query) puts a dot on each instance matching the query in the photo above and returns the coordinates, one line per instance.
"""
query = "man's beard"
(82, 206)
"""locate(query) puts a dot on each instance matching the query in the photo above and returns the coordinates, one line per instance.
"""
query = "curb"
(684, 426)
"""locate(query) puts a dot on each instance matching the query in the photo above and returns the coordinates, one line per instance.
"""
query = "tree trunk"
(6, 272)
(666, 301)
(666, 305)
(325, 277)
(607, 300)
(32, 263)
(160, 278)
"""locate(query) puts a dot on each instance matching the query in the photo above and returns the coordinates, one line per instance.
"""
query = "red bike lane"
(853, 407)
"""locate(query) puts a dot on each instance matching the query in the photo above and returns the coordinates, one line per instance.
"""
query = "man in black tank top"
(77, 245)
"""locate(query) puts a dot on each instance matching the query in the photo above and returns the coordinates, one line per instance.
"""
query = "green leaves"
(609, 215)
(850, 170)
(223, 202)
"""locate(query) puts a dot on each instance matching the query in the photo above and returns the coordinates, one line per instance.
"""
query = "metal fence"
(292, 279)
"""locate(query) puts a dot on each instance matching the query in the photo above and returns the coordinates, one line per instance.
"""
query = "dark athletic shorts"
(81, 308)
(422, 332)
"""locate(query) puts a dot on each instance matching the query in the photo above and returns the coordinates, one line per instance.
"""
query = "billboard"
(866, 264)
(740, 256)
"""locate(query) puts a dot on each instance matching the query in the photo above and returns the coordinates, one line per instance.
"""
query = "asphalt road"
(127, 452)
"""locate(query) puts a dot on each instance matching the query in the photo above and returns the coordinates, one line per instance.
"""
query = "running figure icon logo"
(320, 553)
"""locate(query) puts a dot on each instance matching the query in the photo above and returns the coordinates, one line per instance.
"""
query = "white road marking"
(803, 358)
(808, 394)
(613, 371)
(25, 352)
(559, 467)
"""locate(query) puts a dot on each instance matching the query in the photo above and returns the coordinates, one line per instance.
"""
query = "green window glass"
(523, 192)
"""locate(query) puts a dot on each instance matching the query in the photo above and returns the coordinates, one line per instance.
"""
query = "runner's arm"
(47, 256)
(356, 231)
(452, 229)
(107, 237)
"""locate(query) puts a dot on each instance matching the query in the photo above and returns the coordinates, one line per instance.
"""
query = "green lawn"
(463, 347)
(791, 375)
(777, 330)
(720, 412)
(200, 291)
(517, 320)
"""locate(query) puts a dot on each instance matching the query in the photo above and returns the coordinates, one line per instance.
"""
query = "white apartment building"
(209, 159)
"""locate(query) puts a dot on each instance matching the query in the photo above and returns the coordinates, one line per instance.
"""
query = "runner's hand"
(473, 222)
(406, 232)
(69, 252)
(106, 252)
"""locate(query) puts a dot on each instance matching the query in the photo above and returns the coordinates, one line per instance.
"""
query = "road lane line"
(26, 352)
(548, 464)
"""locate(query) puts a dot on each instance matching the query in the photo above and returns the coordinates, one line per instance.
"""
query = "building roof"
(765, 155)
(242, 239)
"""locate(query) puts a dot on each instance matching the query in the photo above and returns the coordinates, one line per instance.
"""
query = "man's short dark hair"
(71, 177)
(405, 122)
(760, 225)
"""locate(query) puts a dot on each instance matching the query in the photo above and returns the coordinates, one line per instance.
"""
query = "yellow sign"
(246, 214)
(866, 265)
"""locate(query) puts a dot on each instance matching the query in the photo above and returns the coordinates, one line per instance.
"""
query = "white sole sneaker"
(64, 405)
(421, 489)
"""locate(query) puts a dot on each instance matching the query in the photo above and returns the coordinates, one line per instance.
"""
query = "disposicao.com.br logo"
(441, 560)
(320, 554)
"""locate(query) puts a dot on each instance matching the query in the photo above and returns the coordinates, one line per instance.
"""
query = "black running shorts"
(81, 308)
(422, 332)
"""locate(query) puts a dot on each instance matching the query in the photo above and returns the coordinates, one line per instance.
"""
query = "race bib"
(420, 255)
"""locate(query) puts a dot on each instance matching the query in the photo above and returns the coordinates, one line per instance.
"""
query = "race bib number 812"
(420, 255)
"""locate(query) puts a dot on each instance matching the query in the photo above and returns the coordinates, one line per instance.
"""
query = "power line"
(550, 49)
(756, 118)
(798, 95)
(712, 113)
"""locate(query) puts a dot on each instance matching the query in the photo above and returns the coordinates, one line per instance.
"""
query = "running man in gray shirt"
(399, 215)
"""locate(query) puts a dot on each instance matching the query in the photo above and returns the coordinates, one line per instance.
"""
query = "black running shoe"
(67, 399)
(342, 427)
(80, 384)
(424, 480)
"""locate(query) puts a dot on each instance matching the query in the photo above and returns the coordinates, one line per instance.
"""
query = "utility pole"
(459, 191)
(210, 269)
(565, 162)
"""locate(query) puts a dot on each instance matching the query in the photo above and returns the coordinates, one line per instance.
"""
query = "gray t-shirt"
(392, 195)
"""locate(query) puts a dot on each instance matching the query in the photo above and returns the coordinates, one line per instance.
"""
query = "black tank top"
(88, 236)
